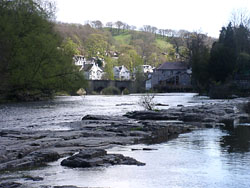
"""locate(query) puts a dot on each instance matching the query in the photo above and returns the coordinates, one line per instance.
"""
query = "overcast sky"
(207, 16)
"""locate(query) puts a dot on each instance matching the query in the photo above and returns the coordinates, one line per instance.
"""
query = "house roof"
(119, 68)
(173, 66)
(87, 67)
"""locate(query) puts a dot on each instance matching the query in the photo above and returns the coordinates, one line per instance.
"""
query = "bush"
(147, 101)
(111, 91)
(125, 91)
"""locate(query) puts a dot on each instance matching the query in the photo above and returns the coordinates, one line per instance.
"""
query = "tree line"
(227, 59)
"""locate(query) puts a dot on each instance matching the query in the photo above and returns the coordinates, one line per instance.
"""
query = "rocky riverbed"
(23, 149)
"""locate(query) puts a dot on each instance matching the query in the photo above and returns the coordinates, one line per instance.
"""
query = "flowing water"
(202, 158)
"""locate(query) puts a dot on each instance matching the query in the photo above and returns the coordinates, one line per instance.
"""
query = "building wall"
(95, 73)
(163, 75)
(185, 79)
(122, 74)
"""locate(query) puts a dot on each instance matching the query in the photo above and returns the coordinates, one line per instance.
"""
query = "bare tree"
(147, 28)
(154, 30)
(110, 25)
(147, 101)
(97, 24)
(132, 27)
(240, 17)
(119, 24)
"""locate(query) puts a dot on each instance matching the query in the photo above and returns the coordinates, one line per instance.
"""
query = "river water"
(202, 158)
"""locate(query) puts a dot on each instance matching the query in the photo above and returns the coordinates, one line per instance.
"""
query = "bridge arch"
(99, 85)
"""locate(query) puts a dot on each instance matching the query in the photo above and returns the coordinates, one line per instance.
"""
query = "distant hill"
(151, 47)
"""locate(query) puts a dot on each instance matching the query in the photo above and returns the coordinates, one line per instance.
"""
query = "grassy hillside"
(123, 38)
(163, 44)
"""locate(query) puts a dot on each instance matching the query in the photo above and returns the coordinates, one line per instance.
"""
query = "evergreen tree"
(230, 54)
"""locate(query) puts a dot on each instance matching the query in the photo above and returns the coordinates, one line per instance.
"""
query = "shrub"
(147, 101)
(125, 91)
(111, 91)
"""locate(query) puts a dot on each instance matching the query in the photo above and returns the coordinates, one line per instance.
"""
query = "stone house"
(121, 73)
(92, 72)
(172, 75)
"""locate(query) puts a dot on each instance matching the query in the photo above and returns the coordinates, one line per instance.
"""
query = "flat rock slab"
(99, 157)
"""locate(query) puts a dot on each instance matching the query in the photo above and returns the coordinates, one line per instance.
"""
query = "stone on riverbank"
(95, 158)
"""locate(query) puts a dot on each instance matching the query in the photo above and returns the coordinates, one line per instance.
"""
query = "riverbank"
(22, 149)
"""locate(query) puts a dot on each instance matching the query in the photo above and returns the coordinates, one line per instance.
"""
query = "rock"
(66, 186)
(143, 149)
(94, 158)
(10, 185)
(33, 178)
(76, 161)
(160, 104)
(44, 156)
(229, 110)
(148, 149)
(81, 92)
(95, 117)
(209, 120)
(192, 117)
(151, 115)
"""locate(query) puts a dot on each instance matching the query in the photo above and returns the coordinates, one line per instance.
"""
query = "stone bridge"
(99, 85)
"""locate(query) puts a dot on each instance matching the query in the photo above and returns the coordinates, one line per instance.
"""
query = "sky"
(206, 16)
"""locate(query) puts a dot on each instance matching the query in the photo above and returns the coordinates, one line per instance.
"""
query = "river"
(203, 158)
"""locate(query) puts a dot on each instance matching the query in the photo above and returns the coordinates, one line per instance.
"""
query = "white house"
(121, 73)
(79, 60)
(92, 72)
(147, 69)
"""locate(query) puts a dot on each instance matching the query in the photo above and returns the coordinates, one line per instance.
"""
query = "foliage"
(199, 57)
(108, 69)
(129, 57)
(125, 91)
(111, 91)
(147, 101)
(123, 38)
(96, 45)
(30, 57)
(230, 55)
(139, 80)
(70, 47)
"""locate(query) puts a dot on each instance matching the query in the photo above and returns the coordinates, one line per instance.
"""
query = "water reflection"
(197, 159)
(237, 139)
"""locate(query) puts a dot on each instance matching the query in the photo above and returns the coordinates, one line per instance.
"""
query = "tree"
(97, 24)
(147, 101)
(144, 44)
(240, 17)
(70, 47)
(110, 24)
(227, 53)
(108, 69)
(96, 45)
(199, 58)
(119, 24)
(129, 57)
(32, 60)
